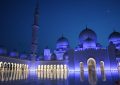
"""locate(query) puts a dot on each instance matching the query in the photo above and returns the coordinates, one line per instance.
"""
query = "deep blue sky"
(56, 17)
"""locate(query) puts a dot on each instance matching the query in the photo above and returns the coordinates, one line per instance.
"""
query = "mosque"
(88, 54)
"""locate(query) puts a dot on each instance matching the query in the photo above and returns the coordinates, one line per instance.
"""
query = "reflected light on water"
(118, 68)
(52, 72)
(8, 75)
(13, 71)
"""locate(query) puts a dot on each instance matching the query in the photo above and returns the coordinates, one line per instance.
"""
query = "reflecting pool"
(58, 77)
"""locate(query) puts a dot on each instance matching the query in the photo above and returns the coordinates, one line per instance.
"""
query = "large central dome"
(87, 33)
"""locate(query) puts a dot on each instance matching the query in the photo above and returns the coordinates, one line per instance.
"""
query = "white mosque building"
(88, 51)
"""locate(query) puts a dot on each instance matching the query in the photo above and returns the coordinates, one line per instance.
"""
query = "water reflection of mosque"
(52, 72)
(9, 74)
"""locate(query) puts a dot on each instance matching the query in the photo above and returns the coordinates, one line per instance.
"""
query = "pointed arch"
(91, 61)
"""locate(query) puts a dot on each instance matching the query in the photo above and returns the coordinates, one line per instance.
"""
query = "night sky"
(57, 17)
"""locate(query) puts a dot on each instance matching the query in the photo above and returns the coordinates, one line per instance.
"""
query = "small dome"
(62, 42)
(62, 39)
(87, 33)
(3, 51)
(114, 37)
(13, 54)
(53, 56)
(23, 56)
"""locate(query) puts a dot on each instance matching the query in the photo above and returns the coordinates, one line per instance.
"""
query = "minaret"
(35, 28)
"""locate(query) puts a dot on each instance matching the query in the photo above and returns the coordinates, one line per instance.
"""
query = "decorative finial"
(47, 47)
(37, 7)
(62, 35)
(86, 27)
(114, 30)
(37, 4)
